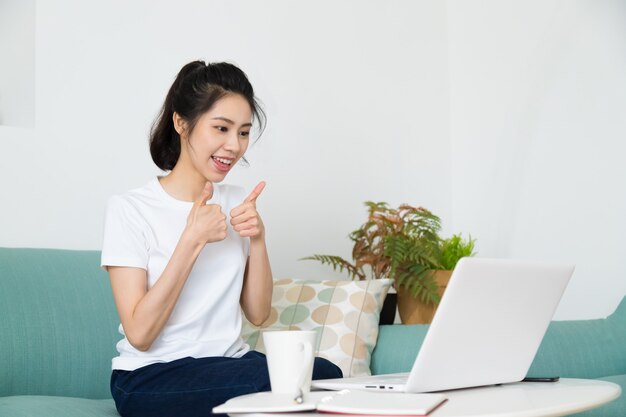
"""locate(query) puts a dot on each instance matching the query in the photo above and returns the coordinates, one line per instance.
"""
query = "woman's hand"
(245, 219)
(256, 294)
(206, 223)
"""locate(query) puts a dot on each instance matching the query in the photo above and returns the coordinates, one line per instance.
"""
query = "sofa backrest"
(397, 347)
(58, 325)
(570, 348)
(58, 330)
(584, 348)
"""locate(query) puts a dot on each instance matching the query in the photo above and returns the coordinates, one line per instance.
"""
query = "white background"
(17, 63)
(505, 118)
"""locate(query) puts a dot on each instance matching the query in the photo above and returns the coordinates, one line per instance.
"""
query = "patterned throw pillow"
(345, 314)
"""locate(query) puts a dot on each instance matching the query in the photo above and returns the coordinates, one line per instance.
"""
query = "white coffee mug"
(290, 356)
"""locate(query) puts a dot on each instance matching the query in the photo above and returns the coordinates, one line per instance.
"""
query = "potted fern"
(403, 244)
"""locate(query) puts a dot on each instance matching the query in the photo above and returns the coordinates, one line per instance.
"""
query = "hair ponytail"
(195, 91)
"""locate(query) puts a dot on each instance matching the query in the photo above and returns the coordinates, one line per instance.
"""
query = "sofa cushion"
(59, 325)
(345, 313)
(43, 406)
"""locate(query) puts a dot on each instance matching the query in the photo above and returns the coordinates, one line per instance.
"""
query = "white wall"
(17, 63)
(356, 94)
(500, 116)
(538, 96)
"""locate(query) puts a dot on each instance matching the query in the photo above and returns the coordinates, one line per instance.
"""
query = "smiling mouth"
(223, 161)
(222, 164)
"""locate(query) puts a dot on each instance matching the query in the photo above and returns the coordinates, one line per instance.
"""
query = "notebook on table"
(486, 330)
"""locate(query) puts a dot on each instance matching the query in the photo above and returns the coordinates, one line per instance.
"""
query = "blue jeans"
(192, 387)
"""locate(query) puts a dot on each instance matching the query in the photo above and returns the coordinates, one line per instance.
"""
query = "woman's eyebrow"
(227, 120)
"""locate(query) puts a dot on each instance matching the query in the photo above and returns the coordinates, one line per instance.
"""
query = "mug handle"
(307, 350)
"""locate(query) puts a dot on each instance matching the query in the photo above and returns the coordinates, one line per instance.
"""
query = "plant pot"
(413, 310)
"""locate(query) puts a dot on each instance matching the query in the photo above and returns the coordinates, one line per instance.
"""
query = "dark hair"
(196, 89)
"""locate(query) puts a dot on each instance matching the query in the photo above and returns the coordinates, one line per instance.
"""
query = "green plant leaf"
(338, 262)
(403, 244)
(454, 248)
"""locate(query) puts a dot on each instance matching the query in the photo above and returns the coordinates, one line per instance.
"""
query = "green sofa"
(59, 329)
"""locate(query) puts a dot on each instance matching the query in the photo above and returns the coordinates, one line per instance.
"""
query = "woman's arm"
(144, 312)
(256, 295)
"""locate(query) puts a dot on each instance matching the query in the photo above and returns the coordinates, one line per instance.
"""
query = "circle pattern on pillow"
(344, 313)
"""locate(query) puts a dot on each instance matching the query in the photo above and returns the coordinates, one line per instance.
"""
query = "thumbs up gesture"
(245, 219)
(206, 222)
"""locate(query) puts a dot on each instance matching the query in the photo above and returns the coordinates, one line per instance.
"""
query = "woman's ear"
(179, 123)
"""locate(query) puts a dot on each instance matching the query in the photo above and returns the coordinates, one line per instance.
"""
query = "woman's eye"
(244, 134)
(222, 128)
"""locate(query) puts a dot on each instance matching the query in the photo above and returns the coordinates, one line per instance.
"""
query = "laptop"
(486, 330)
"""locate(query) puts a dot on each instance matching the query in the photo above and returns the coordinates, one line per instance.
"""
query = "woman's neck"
(183, 184)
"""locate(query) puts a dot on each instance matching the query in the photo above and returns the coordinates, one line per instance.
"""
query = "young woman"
(186, 254)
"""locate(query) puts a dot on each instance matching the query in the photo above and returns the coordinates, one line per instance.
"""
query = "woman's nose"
(232, 142)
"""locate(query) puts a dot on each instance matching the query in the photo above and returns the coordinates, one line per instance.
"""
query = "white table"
(529, 399)
(523, 399)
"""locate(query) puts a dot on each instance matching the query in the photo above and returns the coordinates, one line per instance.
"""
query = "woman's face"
(219, 138)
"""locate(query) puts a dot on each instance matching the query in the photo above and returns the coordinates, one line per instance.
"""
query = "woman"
(186, 254)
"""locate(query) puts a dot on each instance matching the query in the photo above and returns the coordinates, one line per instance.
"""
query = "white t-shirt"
(142, 228)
